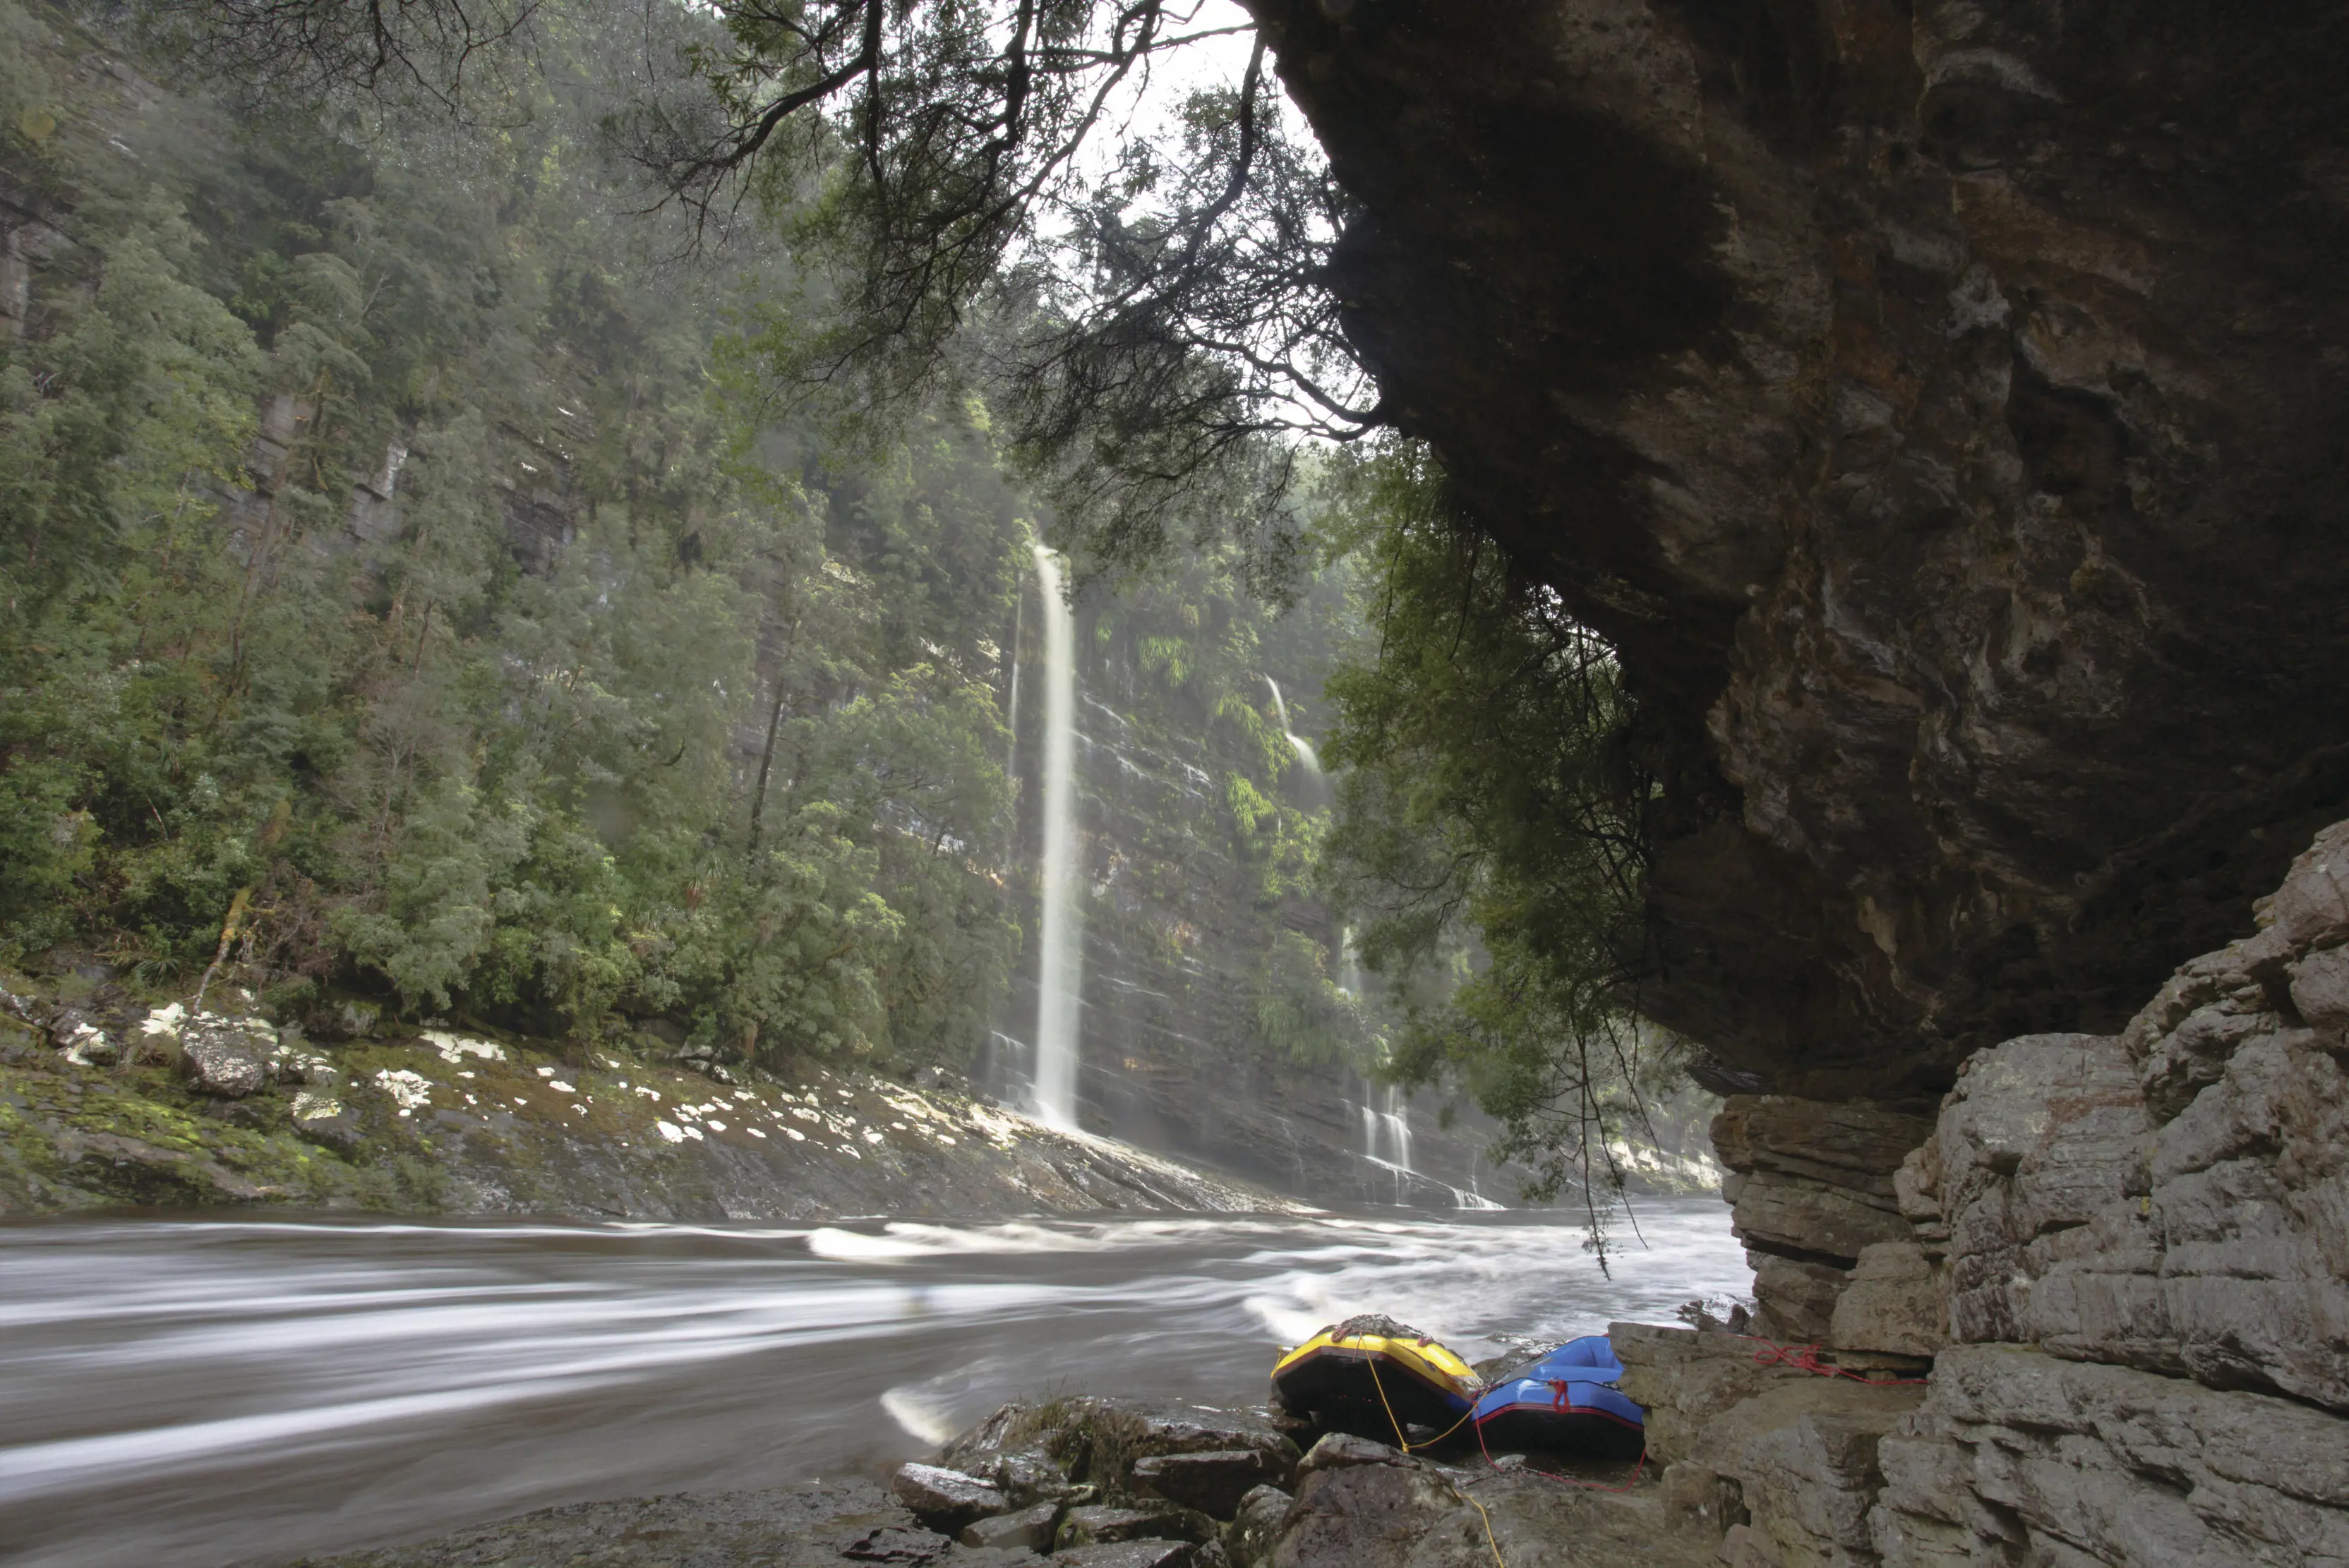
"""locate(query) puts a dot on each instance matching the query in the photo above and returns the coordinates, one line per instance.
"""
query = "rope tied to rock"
(1805, 1359)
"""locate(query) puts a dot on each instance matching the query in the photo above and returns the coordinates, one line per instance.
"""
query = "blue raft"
(1565, 1403)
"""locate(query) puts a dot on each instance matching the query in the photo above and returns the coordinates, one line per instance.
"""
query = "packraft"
(1377, 1379)
(1564, 1402)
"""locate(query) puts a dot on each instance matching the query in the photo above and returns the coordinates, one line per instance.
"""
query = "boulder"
(228, 1057)
(1132, 1554)
(1098, 1441)
(1341, 1450)
(1213, 1481)
(1250, 1538)
(1028, 1530)
(1095, 1524)
(944, 1500)
(323, 1118)
(1362, 1514)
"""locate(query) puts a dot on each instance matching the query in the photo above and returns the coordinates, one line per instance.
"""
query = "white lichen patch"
(649, 1093)
(409, 1090)
(754, 1132)
(312, 1106)
(670, 1130)
(165, 1021)
(455, 1048)
(744, 1094)
(694, 1133)
(559, 1086)
(716, 1124)
(806, 1114)
(871, 1137)
(795, 1135)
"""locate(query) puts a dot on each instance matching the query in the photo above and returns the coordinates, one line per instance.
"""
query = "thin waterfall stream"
(1060, 980)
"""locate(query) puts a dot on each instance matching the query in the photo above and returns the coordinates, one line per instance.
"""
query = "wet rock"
(1341, 1450)
(323, 1118)
(896, 1544)
(1133, 1554)
(227, 1056)
(1098, 1442)
(1214, 1481)
(1028, 1530)
(944, 1500)
(1249, 1539)
(1098, 1524)
(2018, 1457)
(1362, 1515)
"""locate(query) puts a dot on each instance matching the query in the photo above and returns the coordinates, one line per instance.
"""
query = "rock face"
(1815, 1185)
(2021, 1458)
(2126, 1264)
(1934, 402)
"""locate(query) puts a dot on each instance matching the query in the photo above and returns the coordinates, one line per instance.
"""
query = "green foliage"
(380, 538)
(1488, 826)
(1301, 1013)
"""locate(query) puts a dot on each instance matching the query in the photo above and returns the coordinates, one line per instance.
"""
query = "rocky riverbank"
(106, 1099)
(1101, 1483)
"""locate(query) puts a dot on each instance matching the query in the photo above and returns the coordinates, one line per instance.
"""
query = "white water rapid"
(1059, 977)
(1305, 753)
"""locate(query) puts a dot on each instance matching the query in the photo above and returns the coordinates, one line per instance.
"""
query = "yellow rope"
(1379, 1383)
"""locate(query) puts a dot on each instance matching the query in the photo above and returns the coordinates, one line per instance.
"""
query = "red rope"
(1805, 1359)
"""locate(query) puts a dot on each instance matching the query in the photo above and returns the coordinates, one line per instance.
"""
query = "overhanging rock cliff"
(1940, 405)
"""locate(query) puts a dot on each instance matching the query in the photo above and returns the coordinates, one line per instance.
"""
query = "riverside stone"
(1249, 1539)
(1213, 1481)
(1098, 1523)
(944, 1500)
(228, 1057)
(1029, 1530)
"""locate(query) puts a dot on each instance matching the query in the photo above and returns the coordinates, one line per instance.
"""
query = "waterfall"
(1304, 746)
(1399, 1128)
(1059, 977)
(1351, 978)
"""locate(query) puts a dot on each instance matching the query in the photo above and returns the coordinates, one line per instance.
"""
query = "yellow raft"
(1369, 1375)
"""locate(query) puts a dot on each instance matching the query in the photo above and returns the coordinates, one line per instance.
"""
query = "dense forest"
(425, 576)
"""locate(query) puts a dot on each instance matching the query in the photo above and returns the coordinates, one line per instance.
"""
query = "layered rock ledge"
(2098, 1313)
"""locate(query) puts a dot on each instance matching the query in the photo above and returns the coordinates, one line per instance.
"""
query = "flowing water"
(1059, 977)
(204, 1391)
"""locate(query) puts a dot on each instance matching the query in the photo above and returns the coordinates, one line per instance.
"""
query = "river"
(203, 1391)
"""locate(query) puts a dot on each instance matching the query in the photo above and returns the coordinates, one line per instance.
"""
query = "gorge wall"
(2098, 1312)
(1937, 403)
